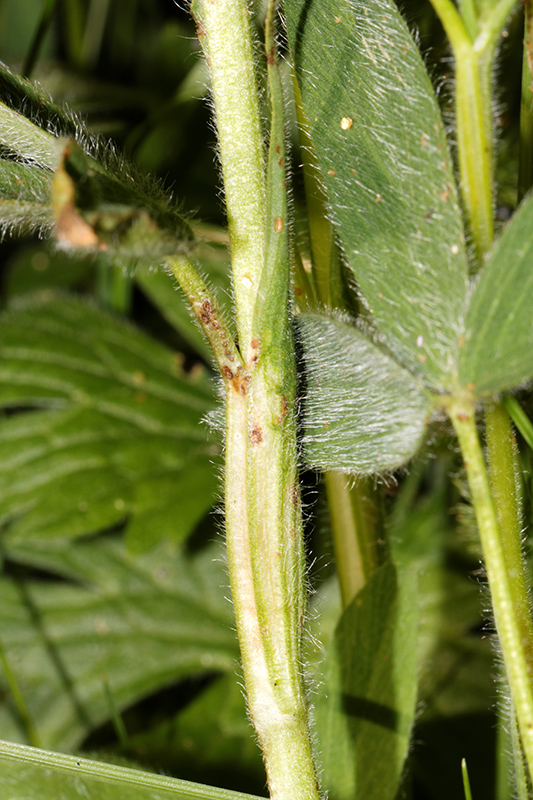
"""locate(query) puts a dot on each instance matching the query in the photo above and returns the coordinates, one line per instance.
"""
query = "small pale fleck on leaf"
(346, 123)
(420, 341)
(455, 249)
(378, 198)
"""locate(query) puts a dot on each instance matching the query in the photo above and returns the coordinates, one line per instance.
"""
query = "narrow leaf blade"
(43, 775)
(384, 161)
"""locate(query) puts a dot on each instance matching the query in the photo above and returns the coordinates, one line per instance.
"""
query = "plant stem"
(474, 143)
(263, 515)
(205, 308)
(224, 32)
(501, 451)
(509, 607)
(352, 512)
(497, 514)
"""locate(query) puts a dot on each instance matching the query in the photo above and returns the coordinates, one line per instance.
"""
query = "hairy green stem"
(516, 649)
(224, 32)
(263, 515)
(474, 143)
(209, 316)
(496, 504)
(502, 457)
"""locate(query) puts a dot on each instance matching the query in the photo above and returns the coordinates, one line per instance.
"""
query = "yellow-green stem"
(474, 143)
(502, 457)
(225, 34)
(352, 511)
(515, 648)
(262, 499)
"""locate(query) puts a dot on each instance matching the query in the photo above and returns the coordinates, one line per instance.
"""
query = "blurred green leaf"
(365, 714)
(138, 623)
(119, 438)
(384, 161)
(498, 350)
(362, 412)
(34, 267)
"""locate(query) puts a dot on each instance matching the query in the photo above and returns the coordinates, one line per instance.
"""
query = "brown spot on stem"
(278, 224)
(256, 436)
(206, 312)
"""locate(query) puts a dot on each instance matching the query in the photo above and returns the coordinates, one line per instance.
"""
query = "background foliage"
(114, 615)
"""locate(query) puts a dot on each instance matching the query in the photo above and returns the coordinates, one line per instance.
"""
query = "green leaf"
(498, 350)
(34, 267)
(46, 776)
(382, 152)
(121, 437)
(100, 203)
(362, 412)
(138, 623)
(364, 716)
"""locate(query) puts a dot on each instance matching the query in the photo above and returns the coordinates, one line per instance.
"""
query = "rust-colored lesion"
(256, 434)
(237, 379)
(284, 410)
